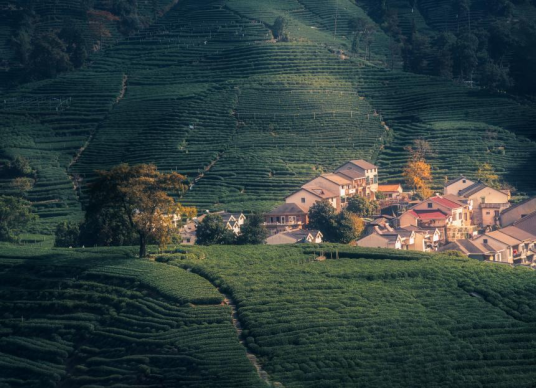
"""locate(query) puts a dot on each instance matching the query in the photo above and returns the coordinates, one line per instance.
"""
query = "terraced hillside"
(208, 91)
(97, 318)
(378, 319)
(372, 318)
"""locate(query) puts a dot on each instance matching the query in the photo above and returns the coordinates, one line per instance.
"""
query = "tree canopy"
(343, 227)
(15, 216)
(212, 231)
(363, 207)
(253, 232)
(136, 200)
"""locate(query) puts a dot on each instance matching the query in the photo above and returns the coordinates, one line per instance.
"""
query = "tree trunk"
(143, 245)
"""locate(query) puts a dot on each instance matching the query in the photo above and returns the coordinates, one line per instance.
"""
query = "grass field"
(372, 318)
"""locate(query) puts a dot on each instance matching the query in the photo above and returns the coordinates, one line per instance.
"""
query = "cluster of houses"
(469, 216)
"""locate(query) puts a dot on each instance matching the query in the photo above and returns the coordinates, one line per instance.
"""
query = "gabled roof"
(515, 206)
(464, 246)
(446, 202)
(352, 174)
(320, 192)
(336, 178)
(404, 233)
(527, 223)
(452, 181)
(475, 188)
(287, 208)
(454, 198)
(389, 187)
(519, 234)
(504, 238)
(491, 245)
(363, 164)
(433, 214)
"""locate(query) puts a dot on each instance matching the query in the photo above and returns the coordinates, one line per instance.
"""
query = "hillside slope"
(206, 90)
(372, 318)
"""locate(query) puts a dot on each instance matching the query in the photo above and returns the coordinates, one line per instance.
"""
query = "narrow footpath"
(228, 301)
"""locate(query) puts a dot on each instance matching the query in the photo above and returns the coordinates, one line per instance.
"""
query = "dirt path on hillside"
(229, 301)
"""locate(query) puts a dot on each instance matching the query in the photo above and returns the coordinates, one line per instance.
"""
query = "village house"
(412, 238)
(288, 215)
(514, 244)
(333, 183)
(298, 236)
(363, 174)
(307, 197)
(391, 192)
(482, 249)
(355, 178)
(516, 212)
(376, 240)
(188, 232)
(233, 221)
(488, 202)
(450, 216)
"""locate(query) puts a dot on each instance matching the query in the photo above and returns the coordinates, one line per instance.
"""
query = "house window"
(282, 220)
(488, 213)
(464, 181)
(465, 216)
(188, 240)
(375, 179)
(485, 241)
(271, 220)
(430, 205)
(483, 199)
(303, 200)
(496, 213)
(292, 219)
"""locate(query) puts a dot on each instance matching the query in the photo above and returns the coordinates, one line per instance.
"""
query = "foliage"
(322, 218)
(363, 207)
(22, 184)
(280, 29)
(486, 174)
(253, 231)
(348, 227)
(418, 174)
(67, 234)
(211, 230)
(137, 197)
(20, 166)
(15, 216)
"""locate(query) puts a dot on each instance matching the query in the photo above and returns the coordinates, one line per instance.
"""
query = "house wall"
(372, 175)
(419, 243)
(373, 241)
(516, 213)
(456, 187)
(309, 199)
(407, 219)
(279, 239)
(490, 196)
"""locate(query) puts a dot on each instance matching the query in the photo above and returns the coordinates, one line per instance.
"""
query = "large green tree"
(362, 207)
(322, 218)
(253, 232)
(212, 231)
(67, 234)
(15, 216)
(137, 199)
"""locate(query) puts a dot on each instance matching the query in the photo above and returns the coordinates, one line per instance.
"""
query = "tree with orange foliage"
(418, 175)
(137, 198)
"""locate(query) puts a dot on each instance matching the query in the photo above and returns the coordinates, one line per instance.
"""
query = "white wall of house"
(306, 199)
(457, 186)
